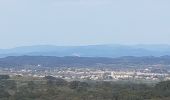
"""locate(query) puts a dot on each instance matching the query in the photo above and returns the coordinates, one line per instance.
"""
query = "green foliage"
(76, 90)
(55, 81)
(4, 77)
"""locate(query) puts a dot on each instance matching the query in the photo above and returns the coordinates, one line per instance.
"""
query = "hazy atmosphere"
(84, 50)
(83, 22)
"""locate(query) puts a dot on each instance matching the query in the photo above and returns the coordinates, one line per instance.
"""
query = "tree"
(4, 77)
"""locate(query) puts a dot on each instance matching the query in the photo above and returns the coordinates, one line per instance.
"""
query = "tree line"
(51, 88)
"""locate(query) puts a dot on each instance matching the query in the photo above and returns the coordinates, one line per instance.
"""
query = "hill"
(88, 51)
(52, 61)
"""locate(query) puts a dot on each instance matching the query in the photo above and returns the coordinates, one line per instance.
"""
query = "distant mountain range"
(88, 51)
(52, 61)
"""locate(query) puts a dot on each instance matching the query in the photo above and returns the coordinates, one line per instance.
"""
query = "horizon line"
(86, 45)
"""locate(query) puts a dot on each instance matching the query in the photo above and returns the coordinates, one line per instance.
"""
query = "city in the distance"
(84, 50)
(147, 63)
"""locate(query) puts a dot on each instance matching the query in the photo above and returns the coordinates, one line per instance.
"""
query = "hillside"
(88, 51)
(52, 61)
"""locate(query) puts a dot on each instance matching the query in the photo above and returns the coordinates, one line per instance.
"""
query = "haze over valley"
(84, 50)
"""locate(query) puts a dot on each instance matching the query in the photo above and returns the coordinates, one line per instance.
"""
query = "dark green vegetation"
(52, 61)
(50, 88)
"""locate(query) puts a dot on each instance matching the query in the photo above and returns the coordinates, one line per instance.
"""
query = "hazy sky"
(84, 22)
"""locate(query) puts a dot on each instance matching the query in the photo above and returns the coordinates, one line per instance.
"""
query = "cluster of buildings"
(90, 73)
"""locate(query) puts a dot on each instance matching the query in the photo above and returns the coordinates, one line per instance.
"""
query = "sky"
(83, 22)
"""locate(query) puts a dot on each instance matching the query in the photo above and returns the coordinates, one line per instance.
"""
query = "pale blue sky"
(84, 22)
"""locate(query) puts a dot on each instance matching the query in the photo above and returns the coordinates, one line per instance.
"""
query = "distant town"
(86, 68)
(103, 74)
